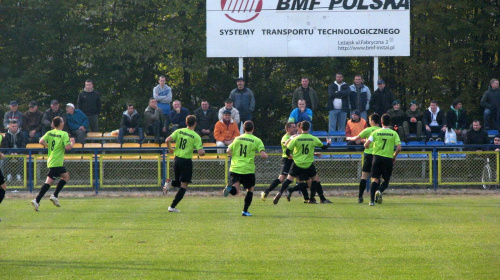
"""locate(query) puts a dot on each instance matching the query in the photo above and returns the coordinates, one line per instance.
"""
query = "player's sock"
(2, 194)
(285, 185)
(178, 197)
(384, 186)
(233, 191)
(314, 187)
(373, 190)
(248, 201)
(273, 185)
(303, 188)
(59, 187)
(42, 192)
(319, 190)
(362, 187)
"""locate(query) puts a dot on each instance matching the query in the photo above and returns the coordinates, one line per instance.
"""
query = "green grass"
(407, 237)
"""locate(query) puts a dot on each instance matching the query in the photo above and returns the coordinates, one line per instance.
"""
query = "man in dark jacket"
(434, 121)
(50, 114)
(456, 119)
(206, 118)
(156, 123)
(178, 116)
(477, 136)
(131, 124)
(338, 103)
(13, 115)
(244, 101)
(491, 104)
(307, 93)
(360, 97)
(14, 139)
(382, 99)
(77, 123)
(397, 119)
(413, 121)
(89, 101)
(32, 123)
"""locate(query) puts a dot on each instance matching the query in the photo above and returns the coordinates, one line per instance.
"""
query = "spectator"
(496, 141)
(13, 115)
(307, 93)
(354, 127)
(14, 139)
(178, 116)
(89, 102)
(338, 103)
(397, 119)
(382, 99)
(50, 114)
(155, 120)
(206, 118)
(302, 113)
(32, 123)
(130, 124)
(456, 119)
(225, 130)
(434, 121)
(360, 97)
(77, 123)
(163, 95)
(244, 101)
(477, 136)
(491, 104)
(413, 121)
(235, 114)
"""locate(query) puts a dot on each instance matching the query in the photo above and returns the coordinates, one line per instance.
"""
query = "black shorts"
(247, 180)
(55, 172)
(183, 169)
(303, 174)
(382, 167)
(2, 179)
(367, 162)
(286, 163)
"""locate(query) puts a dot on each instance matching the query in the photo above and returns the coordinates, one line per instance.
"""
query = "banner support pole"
(240, 67)
(375, 73)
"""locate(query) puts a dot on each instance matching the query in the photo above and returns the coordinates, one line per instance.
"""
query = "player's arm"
(229, 151)
(201, 152)
(2, 156)
(168, 140)
(42, 141)
(263, 154)
(396, 152)
(70, 145)
(368, 141)
(353, 138)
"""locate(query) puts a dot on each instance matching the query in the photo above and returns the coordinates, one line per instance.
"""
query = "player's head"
(305, 126)
(386, 119)
(248, 126)
(190, 120)
(290, 128)
(374, 119)
(58, 122)
(299, 127)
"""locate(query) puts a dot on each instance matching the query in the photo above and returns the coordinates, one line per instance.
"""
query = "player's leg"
(184, 171)
(284, 186)
(319, 190)
(272, 186)
(234, 185)
(64, 179)
(248, 183)
(386, 175)
(45, 187)
(3, 187)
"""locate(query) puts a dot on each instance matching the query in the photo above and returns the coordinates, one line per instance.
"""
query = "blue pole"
(434, 167)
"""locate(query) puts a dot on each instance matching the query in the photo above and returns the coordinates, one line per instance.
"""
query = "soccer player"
(302, 168)
(3, 186)
(186, 140)
(384, 157)
(57, 141)
(242, 170)
(368, 156)
(286, 162)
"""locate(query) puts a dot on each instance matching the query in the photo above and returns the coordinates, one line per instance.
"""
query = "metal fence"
(111, 168)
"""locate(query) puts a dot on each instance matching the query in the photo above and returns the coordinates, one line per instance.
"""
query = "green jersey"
(384, 140)
(365, 134)
(186, 141)
(302, 147)
(243, 153)
(57, 140)
(283, 141)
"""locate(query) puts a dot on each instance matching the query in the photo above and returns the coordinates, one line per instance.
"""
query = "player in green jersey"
(384, 157)
(368, 156)
(302, 168)
(3, 186)
(57, 141)
(186, 140)
(242, 169)
(286, 162)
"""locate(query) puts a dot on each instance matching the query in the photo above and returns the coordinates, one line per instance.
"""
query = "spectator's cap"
(413, 102)
(240, 79)
(380, 82)
(54, 102)
(229, 100)
(395, 102)
(13, 103)
(227, 112)
(70, 105)
(356, 112)
(32, 104)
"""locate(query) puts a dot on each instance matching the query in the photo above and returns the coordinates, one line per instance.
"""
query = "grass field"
(407, 237)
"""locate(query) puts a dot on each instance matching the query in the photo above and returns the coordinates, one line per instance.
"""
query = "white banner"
(308, 28)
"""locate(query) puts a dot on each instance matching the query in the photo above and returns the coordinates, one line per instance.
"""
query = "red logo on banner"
(241, 10)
